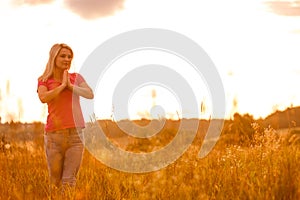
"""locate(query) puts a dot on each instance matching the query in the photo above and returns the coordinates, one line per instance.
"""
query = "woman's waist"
(66, 131)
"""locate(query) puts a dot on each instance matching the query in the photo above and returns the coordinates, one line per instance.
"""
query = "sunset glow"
(254, 44)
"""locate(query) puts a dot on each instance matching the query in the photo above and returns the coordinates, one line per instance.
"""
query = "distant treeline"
(288, 118)
(241, 125)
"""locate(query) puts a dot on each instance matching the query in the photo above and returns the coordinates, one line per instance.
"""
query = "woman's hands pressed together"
(65, 79)
(82, 89)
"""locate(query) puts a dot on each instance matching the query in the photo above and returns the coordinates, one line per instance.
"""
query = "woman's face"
(63, 59)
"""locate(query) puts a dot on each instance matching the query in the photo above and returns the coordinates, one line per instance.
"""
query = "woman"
(63, 131)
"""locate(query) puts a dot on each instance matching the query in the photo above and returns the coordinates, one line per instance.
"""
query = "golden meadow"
(251, 160)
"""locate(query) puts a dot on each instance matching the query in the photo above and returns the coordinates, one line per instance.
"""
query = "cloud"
(90, 9)
(31, 2)
(285, 8)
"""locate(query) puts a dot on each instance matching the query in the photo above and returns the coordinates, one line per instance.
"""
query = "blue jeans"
(64, 152)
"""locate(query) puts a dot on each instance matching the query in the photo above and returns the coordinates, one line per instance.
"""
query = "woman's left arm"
(83, 89)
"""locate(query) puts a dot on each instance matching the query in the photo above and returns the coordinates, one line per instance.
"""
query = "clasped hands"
(66, 81)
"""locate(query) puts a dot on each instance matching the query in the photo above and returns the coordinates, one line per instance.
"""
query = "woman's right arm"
(46, 96)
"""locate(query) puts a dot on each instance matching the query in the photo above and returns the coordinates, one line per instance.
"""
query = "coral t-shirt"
(64, 111)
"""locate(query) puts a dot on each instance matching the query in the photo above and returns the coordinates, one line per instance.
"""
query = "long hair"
(55, 49)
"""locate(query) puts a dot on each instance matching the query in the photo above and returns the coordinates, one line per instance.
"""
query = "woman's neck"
(58, 74)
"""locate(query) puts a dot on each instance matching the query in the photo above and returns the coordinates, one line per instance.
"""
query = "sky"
(254, 45)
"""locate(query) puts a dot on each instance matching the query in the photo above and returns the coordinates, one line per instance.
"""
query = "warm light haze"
(254, 44)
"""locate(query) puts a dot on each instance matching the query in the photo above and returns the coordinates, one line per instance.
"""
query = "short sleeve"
(77, 79)
(41, 83)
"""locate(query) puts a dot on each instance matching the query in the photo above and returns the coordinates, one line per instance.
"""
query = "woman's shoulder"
(46, 81)
(76, 76)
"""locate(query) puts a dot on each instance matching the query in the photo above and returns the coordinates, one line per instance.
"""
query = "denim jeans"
(64, 152)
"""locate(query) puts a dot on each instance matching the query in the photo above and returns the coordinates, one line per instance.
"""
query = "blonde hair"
(54, 51)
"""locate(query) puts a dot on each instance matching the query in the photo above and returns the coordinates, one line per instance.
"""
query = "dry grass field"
(248, 162)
